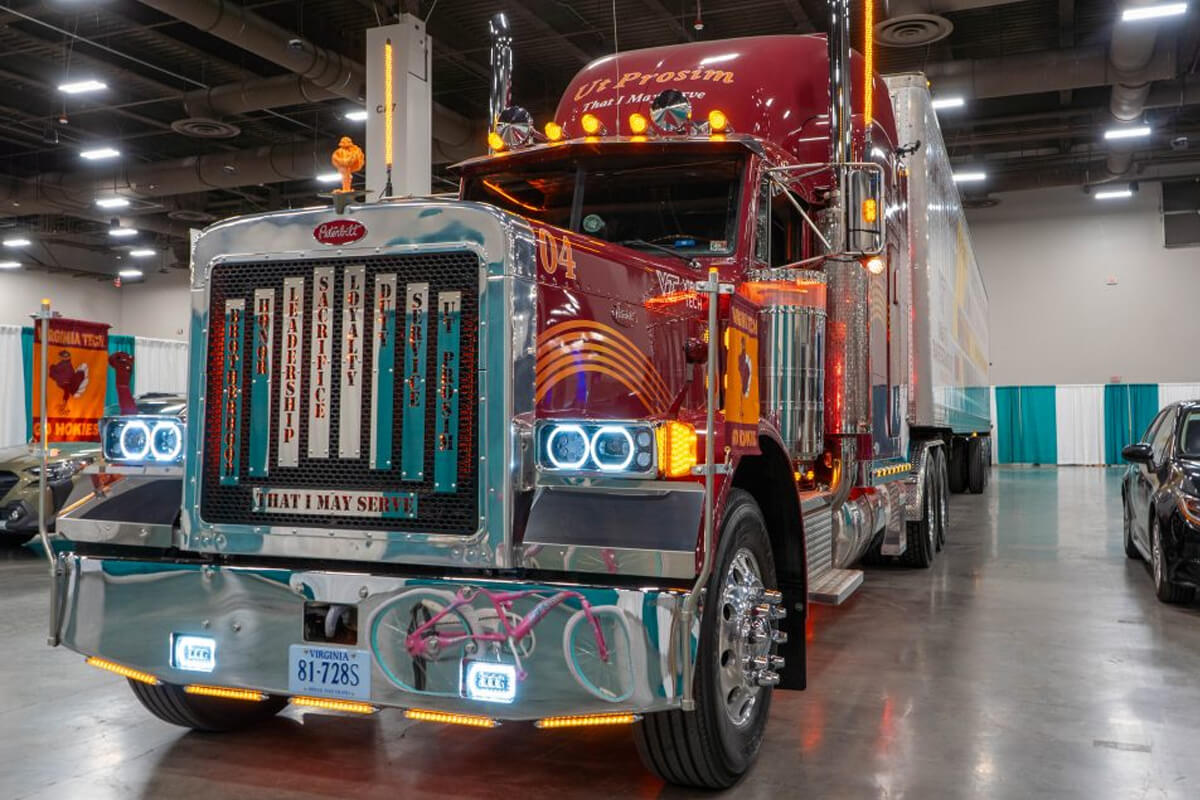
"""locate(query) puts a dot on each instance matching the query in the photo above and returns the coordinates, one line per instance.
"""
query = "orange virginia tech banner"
(741, 374)
(78, 358)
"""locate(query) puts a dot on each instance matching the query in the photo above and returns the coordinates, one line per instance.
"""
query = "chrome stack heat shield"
(792, 304)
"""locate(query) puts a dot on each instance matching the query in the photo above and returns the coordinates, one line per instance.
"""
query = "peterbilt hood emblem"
(339, 231)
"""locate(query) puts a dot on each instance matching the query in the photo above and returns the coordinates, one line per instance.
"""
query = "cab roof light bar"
(122, 670)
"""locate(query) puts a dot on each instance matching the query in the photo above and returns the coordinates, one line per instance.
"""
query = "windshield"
(1189, 435)
(685, 203)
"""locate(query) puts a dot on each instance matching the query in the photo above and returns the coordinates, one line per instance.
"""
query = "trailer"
(579, 446)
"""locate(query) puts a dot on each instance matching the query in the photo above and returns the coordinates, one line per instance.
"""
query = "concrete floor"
(1032, 661)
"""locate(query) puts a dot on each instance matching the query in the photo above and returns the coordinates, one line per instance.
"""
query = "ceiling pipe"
(254, 94)
(233, 23)
(75, 193)
(1130, 53)
(1036, 73)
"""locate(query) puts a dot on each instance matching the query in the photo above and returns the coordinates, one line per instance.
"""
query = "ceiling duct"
(916, 23)
(1131, 52)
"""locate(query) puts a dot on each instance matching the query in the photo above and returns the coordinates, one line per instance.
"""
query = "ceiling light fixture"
(100, 153)
(82, 87)
(10, 264)
(948, 102)
(130, 273)
(356, 116)
(969, 177)
(1114, 194)
(329, 177)
(122, 233)
(1153, 12)
(143, 252)
(112, 202)
(17, 242)
(1130, 132)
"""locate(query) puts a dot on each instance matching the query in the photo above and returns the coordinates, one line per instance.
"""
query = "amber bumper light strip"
(353, 706)
(586, 720)
(122, 670)
(225, 692)
(470, 720)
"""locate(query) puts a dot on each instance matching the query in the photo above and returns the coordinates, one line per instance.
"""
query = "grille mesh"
(455, 513)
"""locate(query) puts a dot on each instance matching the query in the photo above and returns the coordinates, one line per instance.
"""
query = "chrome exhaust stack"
(500, 95)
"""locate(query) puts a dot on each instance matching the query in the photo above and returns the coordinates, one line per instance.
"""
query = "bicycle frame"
(421, 645)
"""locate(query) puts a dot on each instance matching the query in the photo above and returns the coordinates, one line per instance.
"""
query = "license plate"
(339, 672)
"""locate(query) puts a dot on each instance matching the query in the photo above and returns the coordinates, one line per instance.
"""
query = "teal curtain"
(1129, 408)
(27, 362)
(1026, 426)
(117, 344)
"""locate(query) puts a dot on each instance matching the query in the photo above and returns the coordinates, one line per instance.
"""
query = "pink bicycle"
(425, 632)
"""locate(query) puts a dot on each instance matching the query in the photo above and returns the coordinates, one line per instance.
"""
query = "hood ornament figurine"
(347, 159)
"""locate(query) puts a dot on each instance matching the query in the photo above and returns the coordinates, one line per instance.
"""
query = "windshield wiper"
(691, 262)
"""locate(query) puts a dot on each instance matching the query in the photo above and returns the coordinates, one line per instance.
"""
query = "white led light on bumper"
(193, 653)
(143, 440)
(613, 449)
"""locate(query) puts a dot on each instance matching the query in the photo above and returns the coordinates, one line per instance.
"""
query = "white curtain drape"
(995, 427)
(12, 392)
(1079, 423)
(160, 365)
(1174, 392)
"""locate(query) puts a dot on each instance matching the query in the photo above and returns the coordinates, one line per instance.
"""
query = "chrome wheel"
(747, 626)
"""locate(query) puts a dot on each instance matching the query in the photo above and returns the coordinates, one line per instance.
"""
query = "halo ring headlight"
(603, 461)
(130, 452)
(573, 430)
(171, 453)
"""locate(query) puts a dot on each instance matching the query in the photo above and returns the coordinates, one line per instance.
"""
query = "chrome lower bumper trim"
(127, 612)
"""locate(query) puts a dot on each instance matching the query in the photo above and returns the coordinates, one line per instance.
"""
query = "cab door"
(1147, 477)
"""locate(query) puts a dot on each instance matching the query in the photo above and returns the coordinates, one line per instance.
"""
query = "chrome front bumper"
(128, 611)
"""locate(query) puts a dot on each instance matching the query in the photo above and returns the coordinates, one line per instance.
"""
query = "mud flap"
(794, 674)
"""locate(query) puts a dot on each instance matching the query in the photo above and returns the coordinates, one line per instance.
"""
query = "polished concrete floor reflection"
(1031, 661)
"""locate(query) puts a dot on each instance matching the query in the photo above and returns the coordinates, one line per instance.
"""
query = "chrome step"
(835, 586)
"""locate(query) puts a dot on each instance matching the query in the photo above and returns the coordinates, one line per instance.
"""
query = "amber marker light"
(591, 124)
(586, 720)
(122, 670)
(225, 693)
(676, 448)
(638, 124)
(554, 131)
(328, 704)
(870, 211)
(717, 121)
(469, 720)
(495, 143)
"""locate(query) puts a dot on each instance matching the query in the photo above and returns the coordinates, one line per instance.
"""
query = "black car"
(1161, 494)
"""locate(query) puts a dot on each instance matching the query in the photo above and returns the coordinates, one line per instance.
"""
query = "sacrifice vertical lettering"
(321, 358)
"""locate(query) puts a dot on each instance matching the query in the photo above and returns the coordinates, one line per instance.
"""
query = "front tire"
(1131, 550)
(172, 704)
(1164, 588)
(713, 746)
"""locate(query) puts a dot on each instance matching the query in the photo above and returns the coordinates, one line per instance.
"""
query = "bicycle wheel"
(610, 680)
(436, 673)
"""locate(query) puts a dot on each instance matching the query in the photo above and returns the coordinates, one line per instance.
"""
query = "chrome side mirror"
(865, 229)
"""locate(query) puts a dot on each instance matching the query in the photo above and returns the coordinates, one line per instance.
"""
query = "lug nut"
(772, 597)
(779, 637)
(777, 662)
(767, 678)
(769, 611)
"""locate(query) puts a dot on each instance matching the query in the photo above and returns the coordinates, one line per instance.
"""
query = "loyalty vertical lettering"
(289, 383)
(350, 396)
(320, 355)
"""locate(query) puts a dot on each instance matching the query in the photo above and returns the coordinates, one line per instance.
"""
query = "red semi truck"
(579, 446)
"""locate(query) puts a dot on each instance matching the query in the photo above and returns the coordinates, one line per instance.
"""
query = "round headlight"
(567, 447)
(166, 441)
(612, 448)
(135, 440)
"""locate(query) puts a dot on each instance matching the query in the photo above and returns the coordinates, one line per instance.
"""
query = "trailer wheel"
(713, 746)
(956, 468)
(943, 499)
(171, 704)
(922, 534)
(976, 468)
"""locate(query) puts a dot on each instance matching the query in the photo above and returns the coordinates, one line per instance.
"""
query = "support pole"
(57, 567)
(399, 110)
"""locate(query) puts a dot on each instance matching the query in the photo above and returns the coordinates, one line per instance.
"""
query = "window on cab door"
(779, 228)
(1162, 439)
